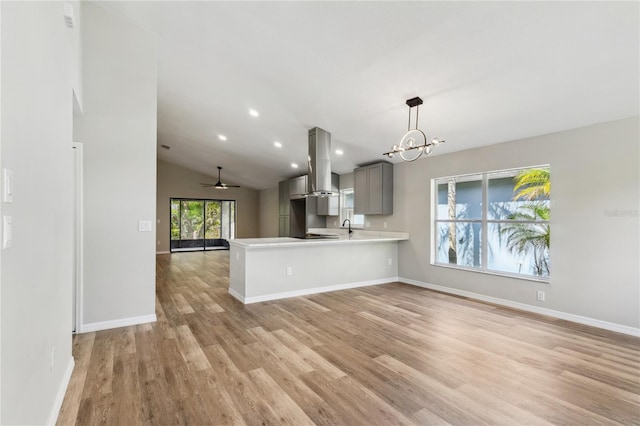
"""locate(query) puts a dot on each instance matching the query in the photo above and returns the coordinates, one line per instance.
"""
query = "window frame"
(341, 218)
(484, 178)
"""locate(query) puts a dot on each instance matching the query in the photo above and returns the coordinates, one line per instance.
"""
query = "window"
(201, 224)
(495, 222)
(346, 209)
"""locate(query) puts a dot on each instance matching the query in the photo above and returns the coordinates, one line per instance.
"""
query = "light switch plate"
(7, 186)
(7, 232)
(144, 226)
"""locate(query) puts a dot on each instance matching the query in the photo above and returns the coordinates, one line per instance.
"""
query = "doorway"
(199, 224)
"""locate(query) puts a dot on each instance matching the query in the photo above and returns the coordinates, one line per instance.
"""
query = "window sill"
(542, 280)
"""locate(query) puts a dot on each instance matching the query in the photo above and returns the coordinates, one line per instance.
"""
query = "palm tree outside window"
(495, 222)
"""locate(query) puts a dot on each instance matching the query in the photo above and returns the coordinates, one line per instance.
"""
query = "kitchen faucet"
(345, 221)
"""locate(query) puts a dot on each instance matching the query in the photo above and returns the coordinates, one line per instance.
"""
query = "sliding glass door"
(202, 224)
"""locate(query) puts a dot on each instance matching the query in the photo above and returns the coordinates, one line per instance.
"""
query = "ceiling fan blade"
(225, 186)
(206, 185)
(219, 184)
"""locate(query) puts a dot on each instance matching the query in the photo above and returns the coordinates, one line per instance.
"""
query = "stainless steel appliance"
(303, 216)
(320, 162)
(303, 210)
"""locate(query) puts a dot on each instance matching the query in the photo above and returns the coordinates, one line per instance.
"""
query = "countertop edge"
(313, 242)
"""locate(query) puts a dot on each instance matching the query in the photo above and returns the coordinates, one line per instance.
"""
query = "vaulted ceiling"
(488, 72)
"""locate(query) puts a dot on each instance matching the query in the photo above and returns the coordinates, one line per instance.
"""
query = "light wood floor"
(389, 354)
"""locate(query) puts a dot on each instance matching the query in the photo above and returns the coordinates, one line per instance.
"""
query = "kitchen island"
(263, 269)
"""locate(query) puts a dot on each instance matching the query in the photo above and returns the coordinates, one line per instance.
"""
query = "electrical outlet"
(237, 255)
(390, 261)
(289, 271)
(367, 224)
(540, 296)
(384, 225)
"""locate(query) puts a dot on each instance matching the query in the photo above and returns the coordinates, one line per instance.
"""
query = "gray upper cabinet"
(360, 191)
(298, 187)
(373, 189)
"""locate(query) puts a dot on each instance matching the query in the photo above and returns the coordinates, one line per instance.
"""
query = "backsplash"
(371, 222)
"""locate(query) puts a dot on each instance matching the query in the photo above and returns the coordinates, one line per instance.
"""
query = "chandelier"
(414, 143)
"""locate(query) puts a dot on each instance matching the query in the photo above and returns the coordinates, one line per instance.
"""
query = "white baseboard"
(62, 390)
(163, 252)
(305, 292)
(236, 295)
(124, 322)
(529, 308)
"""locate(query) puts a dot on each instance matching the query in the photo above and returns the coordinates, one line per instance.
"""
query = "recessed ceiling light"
(294, 165)
(339, 151)
(222, 137)
(277, 144)
(253, 113)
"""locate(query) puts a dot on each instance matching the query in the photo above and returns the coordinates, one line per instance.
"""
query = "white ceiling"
(488, 72)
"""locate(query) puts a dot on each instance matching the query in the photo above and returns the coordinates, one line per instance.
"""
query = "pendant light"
(413, 143)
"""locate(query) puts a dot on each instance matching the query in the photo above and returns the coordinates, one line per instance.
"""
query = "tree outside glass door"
(201, 224)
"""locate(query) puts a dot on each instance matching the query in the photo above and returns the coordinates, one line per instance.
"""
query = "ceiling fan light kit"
(413, 144)
(219, 184)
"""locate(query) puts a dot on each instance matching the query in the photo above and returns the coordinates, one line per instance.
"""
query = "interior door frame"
(78, 281)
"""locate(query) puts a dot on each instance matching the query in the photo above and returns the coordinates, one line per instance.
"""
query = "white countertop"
(358, 237)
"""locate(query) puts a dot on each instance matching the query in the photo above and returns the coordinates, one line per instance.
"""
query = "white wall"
(74, 39)
(178, 182)
(269, 209)
(118, 130)
(36, 136)
(594, 256)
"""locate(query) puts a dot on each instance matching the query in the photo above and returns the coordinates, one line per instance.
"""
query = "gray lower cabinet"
(373, 189)
(283, 208)
(283, 226)
(283, 198)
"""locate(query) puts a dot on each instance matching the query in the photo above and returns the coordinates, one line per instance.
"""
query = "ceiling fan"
(219, 184)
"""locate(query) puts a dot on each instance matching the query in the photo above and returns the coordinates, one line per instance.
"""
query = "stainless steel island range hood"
(320, 162)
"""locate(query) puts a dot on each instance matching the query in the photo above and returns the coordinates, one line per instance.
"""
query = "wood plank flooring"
(389, 354)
